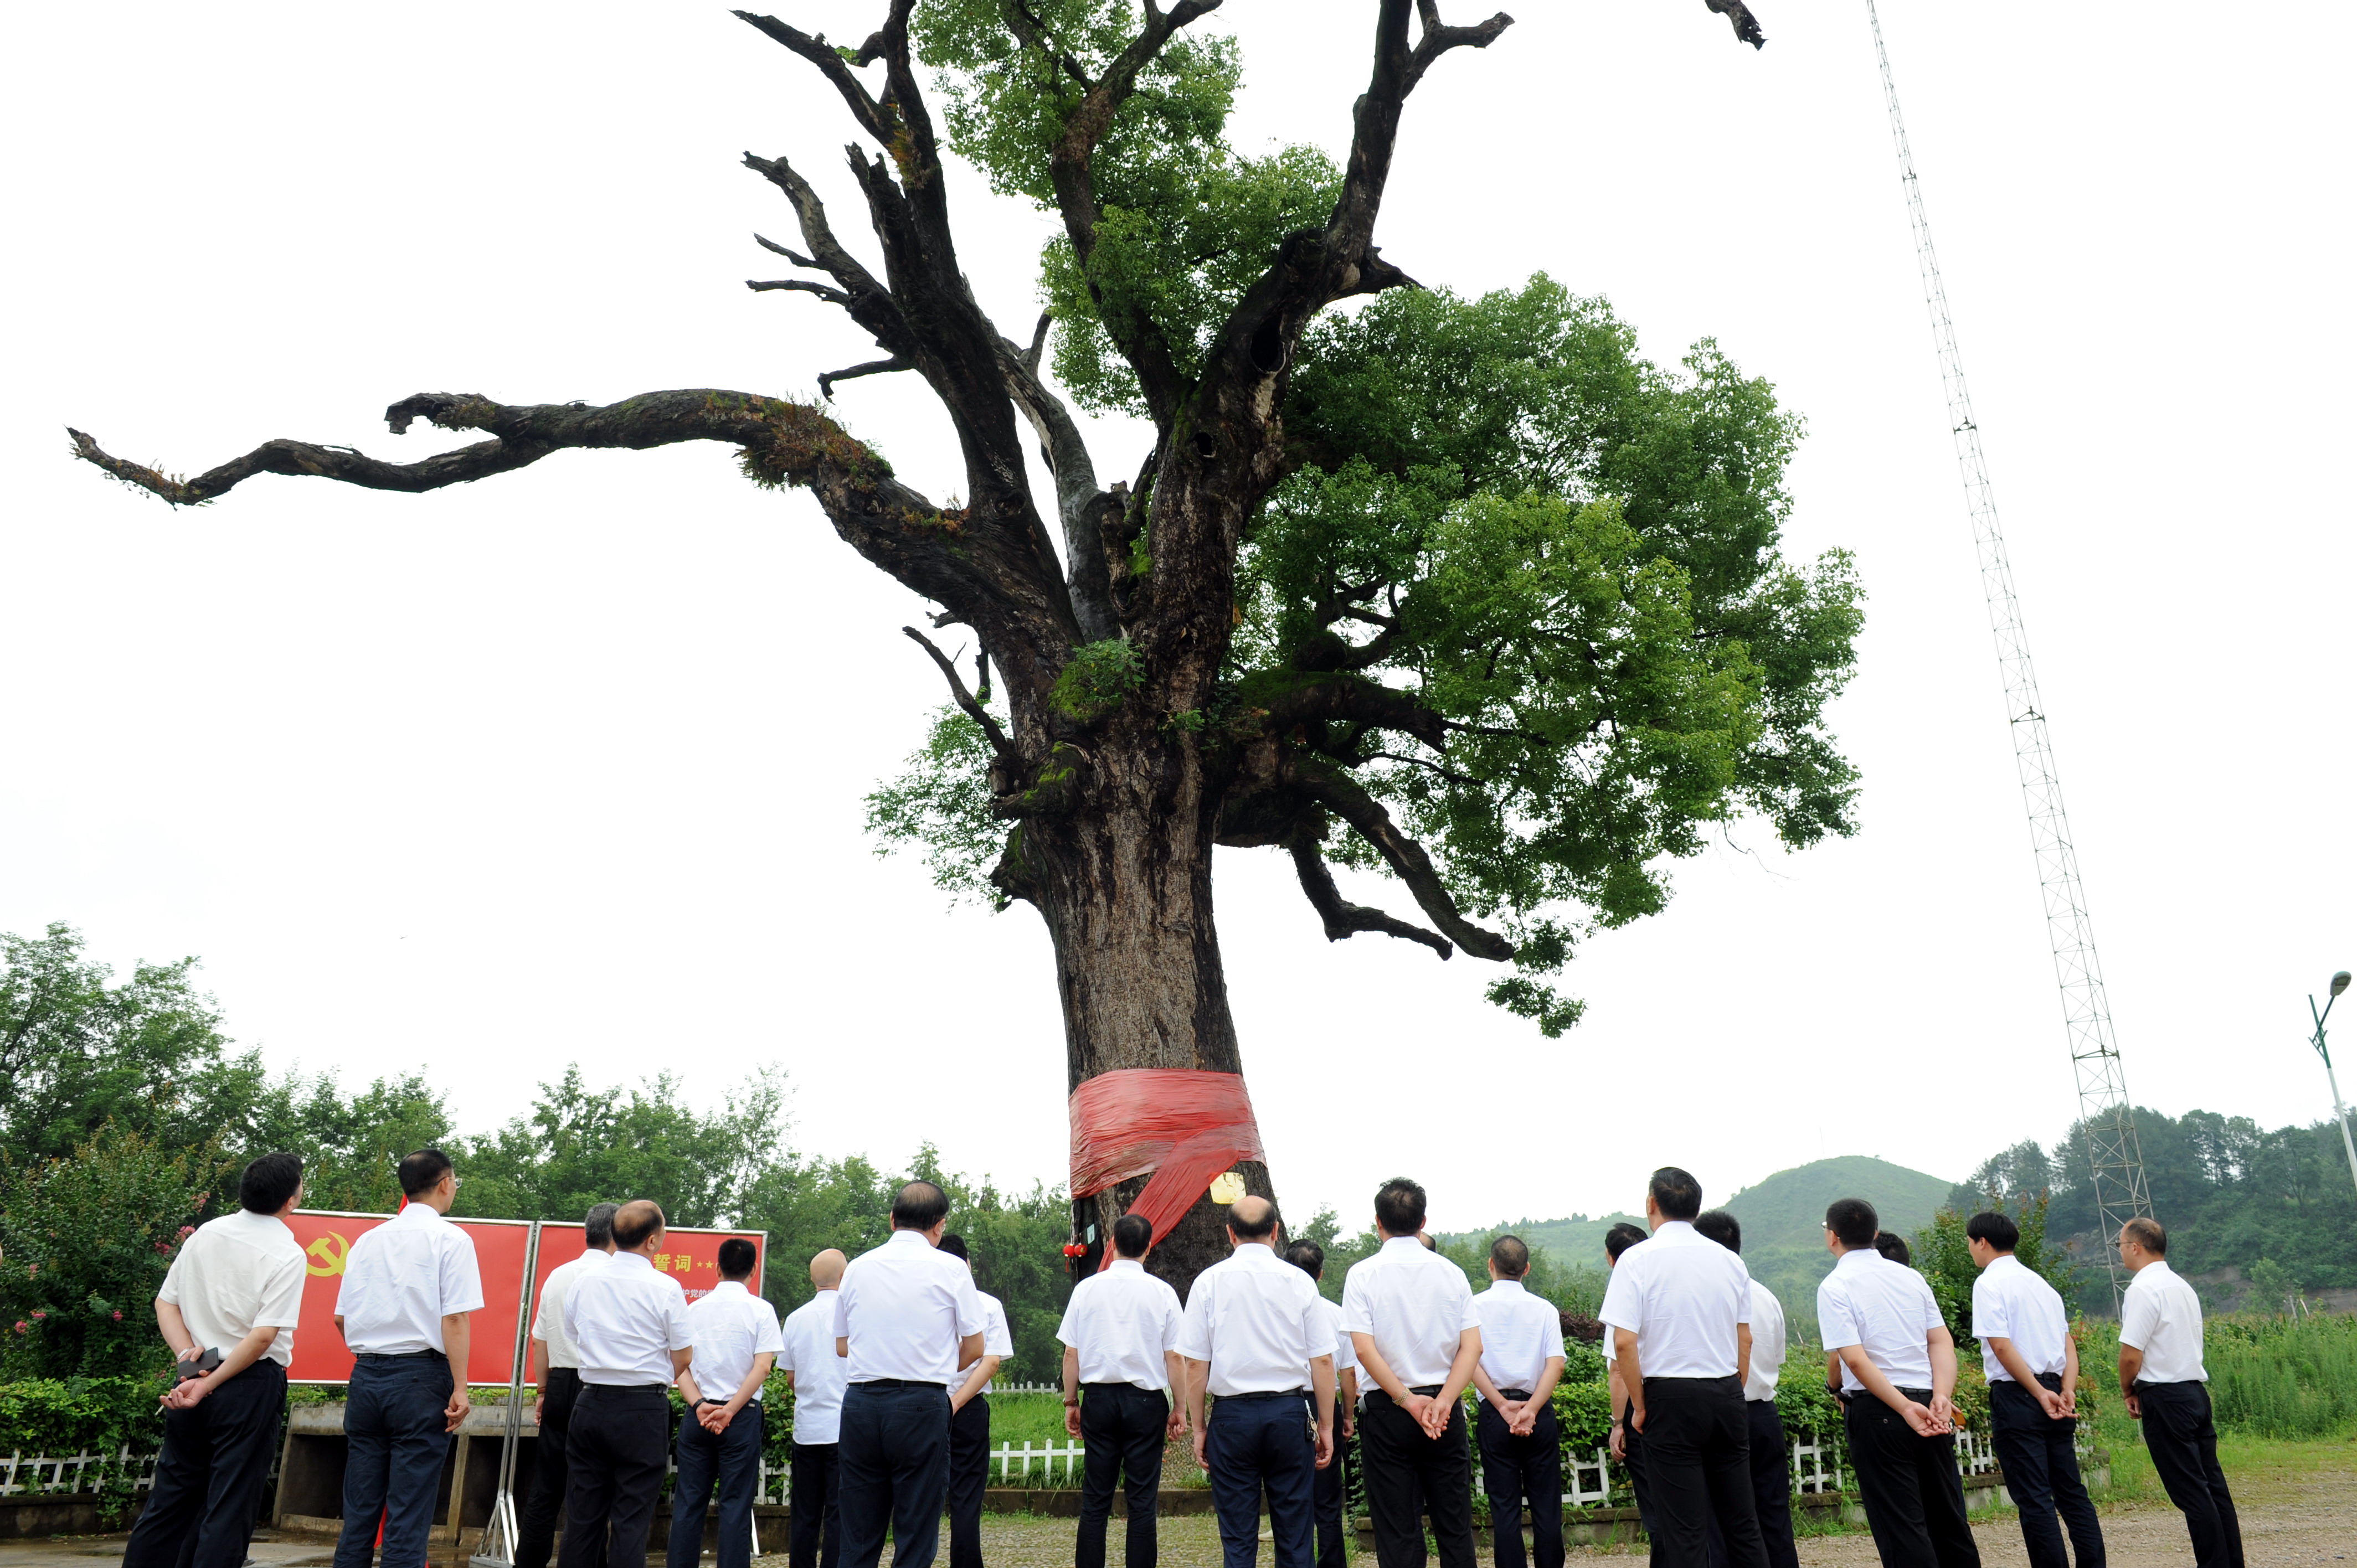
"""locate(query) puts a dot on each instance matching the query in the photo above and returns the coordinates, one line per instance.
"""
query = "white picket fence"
(21, 1472)
(1049, 1454)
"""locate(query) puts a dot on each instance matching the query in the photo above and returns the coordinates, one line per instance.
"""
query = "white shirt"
(627, 1318)
(1122, 1321)
(1414, 1305)
(548, 1318)
(1682, 1295)
(1521, 1333)
(402, 1279)
(1767, 1344)
(1884, 1308)
(2161, 1315)
(2010, 1301)
(1346, 1354)
(904, 1306)
(729, 1326)
(1255, 1319)
(809, 1354)
(240, 1273)
(996, 1338)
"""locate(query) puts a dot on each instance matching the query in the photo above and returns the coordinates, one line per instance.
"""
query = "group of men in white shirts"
(891, 1364)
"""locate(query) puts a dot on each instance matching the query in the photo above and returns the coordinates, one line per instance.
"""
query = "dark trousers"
(1771, 1483)
(616, 1457)
(1329, 1489)
(2042, 1473)
(894, 1471)
(1632, 1446)
(1122, 1426)
(536, 1529)
(733, 1460)
(394, 1442)
(1517, 1468)
(1400, 1462)
(208, 1485)
(814, 1523)
(969, 1473)
(1698, 1468)
(1256, 1442)
(1914, 1499)
(2179, 1434)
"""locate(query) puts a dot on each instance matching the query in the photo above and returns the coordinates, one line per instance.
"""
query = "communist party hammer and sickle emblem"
(327, 1253)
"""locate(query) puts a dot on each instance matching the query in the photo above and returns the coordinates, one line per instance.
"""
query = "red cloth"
(1184, 1126)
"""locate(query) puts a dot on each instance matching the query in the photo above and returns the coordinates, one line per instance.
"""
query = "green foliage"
(940, 802)
(351, 1146)
(1188, 224)
(1570, 553)
(2281, 1377)
(1099, 678)
(580, 1146)
(1942, 1255)
(89, 1237)
(85, 1415)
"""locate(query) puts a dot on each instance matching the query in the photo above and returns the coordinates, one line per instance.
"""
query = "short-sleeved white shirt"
(1767, 1345)
(1122, 1321)
(1682, 1295)
(729, 1326)
(2010, 1301)
(628, 1317)
(998, 1339)
(1255, 1319)
(809, 1354)
(905, 1306)
(548, 1317)
(1346, 1354)
(2161, 1315)
(1519, 1334)
(240, 1273)
(1884, 1308)
(1414, 1305)
(402, 1279)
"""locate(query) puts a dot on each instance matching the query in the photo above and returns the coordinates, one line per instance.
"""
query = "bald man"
(813, 1369)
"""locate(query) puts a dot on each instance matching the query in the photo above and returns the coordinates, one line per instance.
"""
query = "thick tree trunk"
(1124, 883)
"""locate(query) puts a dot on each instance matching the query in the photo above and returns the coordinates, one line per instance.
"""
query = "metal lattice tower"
(2118, 1163)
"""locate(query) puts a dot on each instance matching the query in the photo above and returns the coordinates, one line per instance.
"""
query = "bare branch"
(1080, 505)
(797, 286)
(831, 65)
(1342, 917)
(1355, 699)
(792, 256)
(973, 710)
(1406, 857)
(868, 367)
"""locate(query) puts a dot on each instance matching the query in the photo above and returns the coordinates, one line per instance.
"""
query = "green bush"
(61, 1417)
(2281, 1377)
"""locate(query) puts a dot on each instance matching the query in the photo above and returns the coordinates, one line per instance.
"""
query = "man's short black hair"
(420, 1170)
(1677, 1195)
(1894, 1247)
(1722, 1228)
(635, 1221)
(597, 1225)
(1132, 1235)
(1399, 1207)
(954, 1245)
(1620, 1238)
(1511, 1255)
(1308, 1257)
(737, 1257)
(1852, 1220)
(2147, 1234)
(1997, 1229)
(920, 1206)
(269, 1182)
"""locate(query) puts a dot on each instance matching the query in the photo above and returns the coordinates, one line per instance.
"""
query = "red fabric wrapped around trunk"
(1184, 1126)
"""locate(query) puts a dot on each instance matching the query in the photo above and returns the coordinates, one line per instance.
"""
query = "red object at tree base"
(1184, 1126)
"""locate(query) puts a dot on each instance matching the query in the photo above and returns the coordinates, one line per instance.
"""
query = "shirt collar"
(907, 1239)
(1393, 1243)
(1859, 1258)
(1513, 1287)
(2158, 1269)
(1675, 1230)
(2000, 1260)
(639, 1258)
(737, 1285)
(1133, 1265)
(1255, 1253)
(414, 1213)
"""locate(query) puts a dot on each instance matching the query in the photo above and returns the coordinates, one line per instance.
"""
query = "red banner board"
(501, 1246)
(691, 1256)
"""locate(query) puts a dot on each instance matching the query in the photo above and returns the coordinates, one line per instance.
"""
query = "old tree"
(1460, 591)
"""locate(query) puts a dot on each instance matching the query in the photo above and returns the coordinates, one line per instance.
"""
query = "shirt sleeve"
(1172, 1313)
(769, 1337)
(572, 1310)
(462, 1282)
(1742, 1294)
(1195, 1323)
(1358, 1310)
(785, 1352)
(998, 1339)
(281, 1301)
(680, 1333)
(170, 1293)
(842, 1307)
(1989, 1319)
(1468, 1314)
(2138, 1318)
(1836, 1319)
(1930, 1304)
(1623, 1299)
(1346, 1350)
(970, 1317)
(1067, 1331)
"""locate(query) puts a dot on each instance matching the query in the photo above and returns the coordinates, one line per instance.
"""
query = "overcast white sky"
(569, 766)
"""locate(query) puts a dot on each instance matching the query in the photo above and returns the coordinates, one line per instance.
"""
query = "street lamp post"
(2340, 984)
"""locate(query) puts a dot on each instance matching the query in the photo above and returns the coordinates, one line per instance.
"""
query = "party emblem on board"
(1227, 1187)
(328, 1251)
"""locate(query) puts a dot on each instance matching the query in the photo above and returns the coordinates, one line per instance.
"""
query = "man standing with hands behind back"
(630, 1321)
(556, 1373)
(408, 1287)
(2033, 1383)
(814, 1523)
(2169, 1390)
(737, 1343)
(1411, 1319)
(1521, 1447)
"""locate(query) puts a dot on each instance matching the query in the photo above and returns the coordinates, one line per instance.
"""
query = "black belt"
(1140, 1388)
(369, 1356)
(898, 1383)
(1264, 1394)
(1513, 1393)
(1851, 1396)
